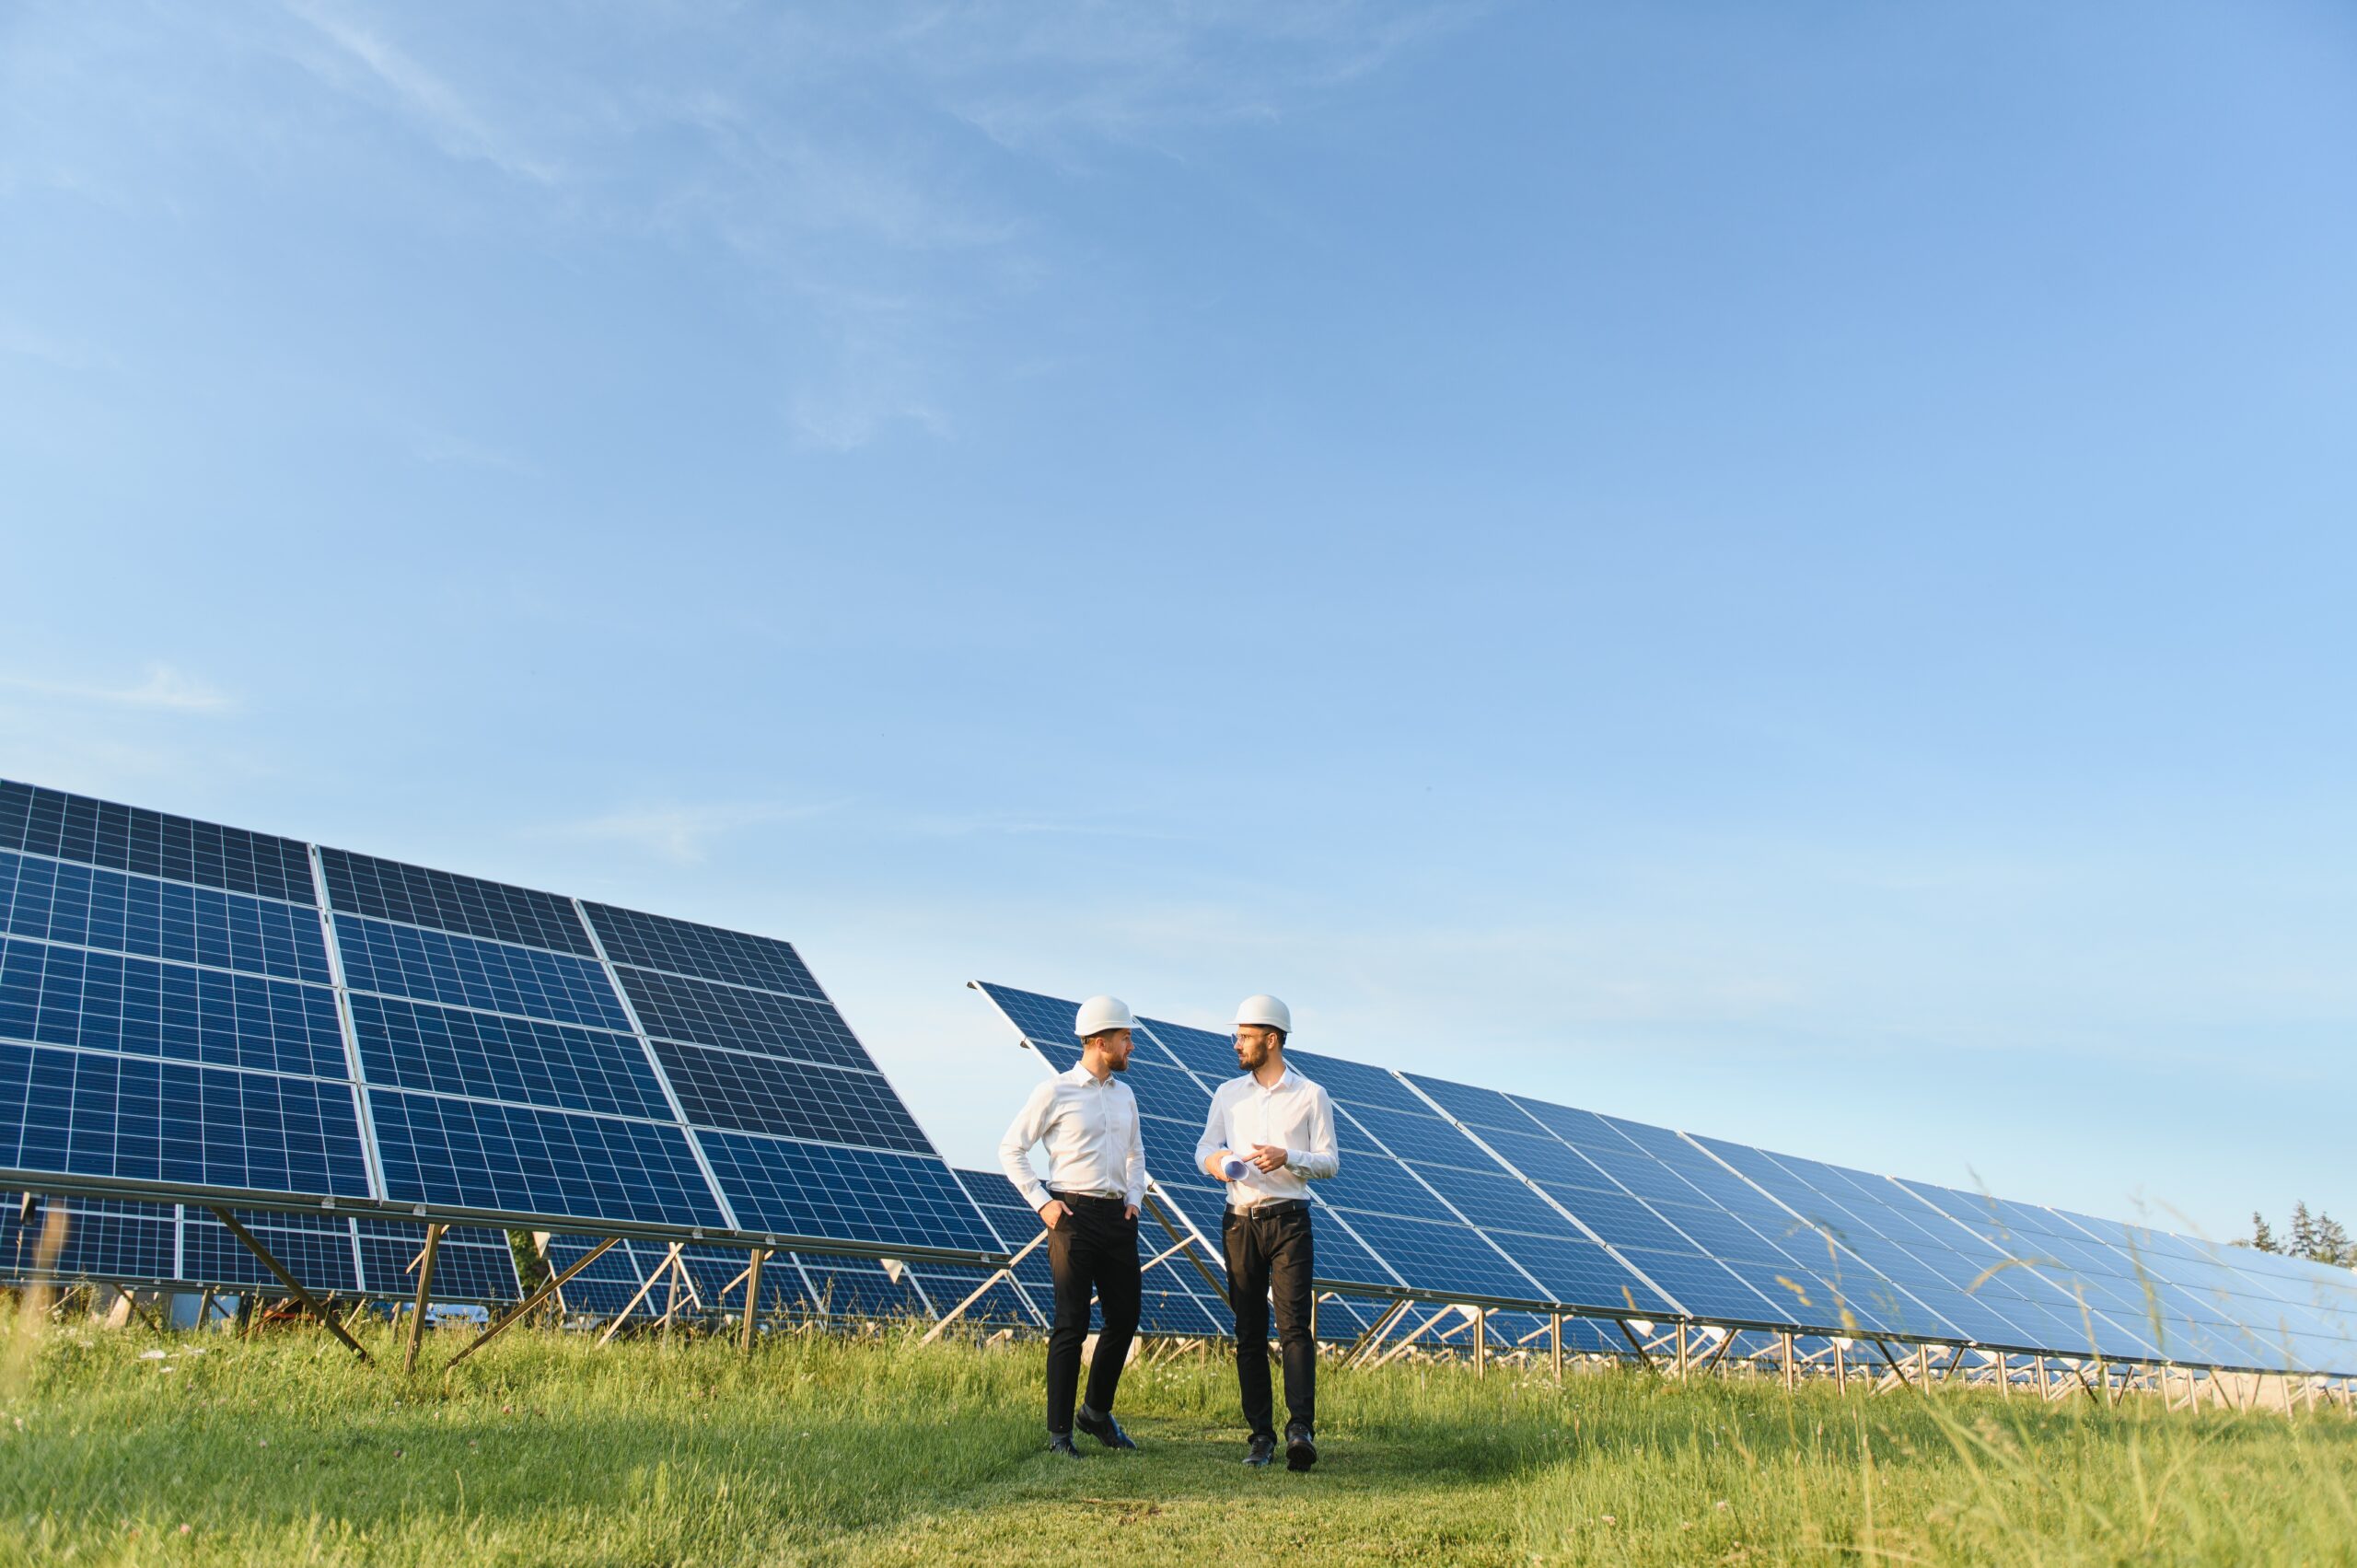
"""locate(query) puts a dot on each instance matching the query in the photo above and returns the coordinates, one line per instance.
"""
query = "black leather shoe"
(1263, 1449)
(1301, 1450)
(1104, 1428)
(1061, 1443)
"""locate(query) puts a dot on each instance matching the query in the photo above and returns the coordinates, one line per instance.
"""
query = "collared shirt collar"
(1081, 1074)
(1286, 1081)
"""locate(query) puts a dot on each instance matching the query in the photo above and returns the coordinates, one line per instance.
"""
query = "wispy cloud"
(1052, 80)
(164, 687)
(438, 107)
(683, 834)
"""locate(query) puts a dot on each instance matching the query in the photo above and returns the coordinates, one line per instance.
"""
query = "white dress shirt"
(1090, 1126)
(1295, 1116)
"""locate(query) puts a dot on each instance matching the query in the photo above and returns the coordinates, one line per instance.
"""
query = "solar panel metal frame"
(122, 834)
(113, 1265)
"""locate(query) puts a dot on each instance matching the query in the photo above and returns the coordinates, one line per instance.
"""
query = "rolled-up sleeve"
(1319, 1160)
(1028, 1127)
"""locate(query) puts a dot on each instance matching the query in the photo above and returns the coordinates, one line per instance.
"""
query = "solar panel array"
(1450, 1191)
(192, 1012)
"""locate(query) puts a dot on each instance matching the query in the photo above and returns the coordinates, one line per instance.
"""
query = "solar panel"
(98, 832)
(362, 884)
(1453, 1191)
(190, 1012)
(683, 947)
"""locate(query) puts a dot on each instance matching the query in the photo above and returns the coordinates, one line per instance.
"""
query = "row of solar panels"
(192, 1011)
(1452, 1192)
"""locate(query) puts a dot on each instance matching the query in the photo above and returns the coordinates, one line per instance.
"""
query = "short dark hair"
(1271, 1028)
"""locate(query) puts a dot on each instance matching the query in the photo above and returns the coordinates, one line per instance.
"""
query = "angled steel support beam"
(1185, 1239)
(289, 1280)
(1408, 1341)
(983, 1289)
(646, 1288)
(537, 1297)
(1366, 1343)
(1637, 1344)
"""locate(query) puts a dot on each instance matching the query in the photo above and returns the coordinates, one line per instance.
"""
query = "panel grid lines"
(73, 996)
(124, 838)
(115, 911)
(685, 949)
(466, 971)
(765, 1023)
(415, 895)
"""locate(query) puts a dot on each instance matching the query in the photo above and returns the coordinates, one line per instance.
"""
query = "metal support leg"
(1787, 1339)
(1841, 1370)
(425, 1295)
(1636, 1344)
(289, 1280)
(753, 1299)
(1555, 1347)
(1682, 1362)
(1480, 1341)
(534, 1300)
(673, 1267)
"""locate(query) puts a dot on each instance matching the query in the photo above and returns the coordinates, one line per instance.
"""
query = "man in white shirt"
(1089, 1204)
(1270, 1135)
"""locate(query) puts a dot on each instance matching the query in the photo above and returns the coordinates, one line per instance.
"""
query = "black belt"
(1069, 1199)
(1272, 1206)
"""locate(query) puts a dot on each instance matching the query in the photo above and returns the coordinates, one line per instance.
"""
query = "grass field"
(546, 1449)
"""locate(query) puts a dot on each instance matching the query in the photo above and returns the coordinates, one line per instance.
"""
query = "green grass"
(547, 1449)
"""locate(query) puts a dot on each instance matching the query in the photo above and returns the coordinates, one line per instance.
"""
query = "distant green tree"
(2303, 1231)
(2263, 1234)
(2329, 1242)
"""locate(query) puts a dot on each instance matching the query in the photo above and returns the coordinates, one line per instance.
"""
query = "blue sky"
(1780, 570)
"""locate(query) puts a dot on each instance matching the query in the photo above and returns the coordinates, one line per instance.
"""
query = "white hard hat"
(1101, 1013)
(1265, 1011)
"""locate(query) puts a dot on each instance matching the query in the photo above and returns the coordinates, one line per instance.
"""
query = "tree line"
(2317, 1236)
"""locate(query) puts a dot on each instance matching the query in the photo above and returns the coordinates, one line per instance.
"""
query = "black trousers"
(1269, 1258)
(1094, 1249)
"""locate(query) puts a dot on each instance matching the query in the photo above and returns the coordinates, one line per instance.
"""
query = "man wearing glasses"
(1270, 1135)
